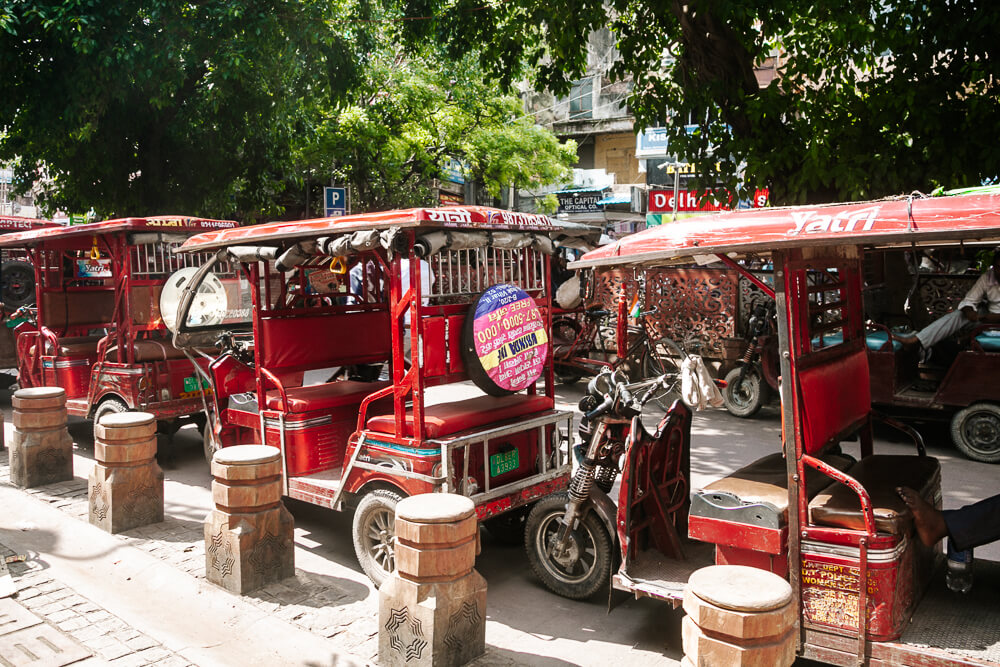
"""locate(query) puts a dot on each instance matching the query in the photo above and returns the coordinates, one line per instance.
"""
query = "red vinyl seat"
(324, 396)
(73, 346)
(447, 418)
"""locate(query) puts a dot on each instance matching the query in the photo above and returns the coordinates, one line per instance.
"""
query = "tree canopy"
(414, 111)
(871, 97)
(225, 108)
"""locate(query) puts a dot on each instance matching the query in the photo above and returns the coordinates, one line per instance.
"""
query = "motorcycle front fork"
(579, 491)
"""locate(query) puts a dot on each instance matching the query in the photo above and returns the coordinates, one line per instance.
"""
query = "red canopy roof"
(453, 217)
(882, 223)
(15, 223)
(174, 224)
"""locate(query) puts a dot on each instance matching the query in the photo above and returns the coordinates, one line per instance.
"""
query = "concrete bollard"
(740, 616)
(41, 451)
(432, 610)
(249, 541)
(125, 488)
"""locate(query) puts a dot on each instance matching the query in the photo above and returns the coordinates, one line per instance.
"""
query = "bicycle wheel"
(564, 332)
(663, 356)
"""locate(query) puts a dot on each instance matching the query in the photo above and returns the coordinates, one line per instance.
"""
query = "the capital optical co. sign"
(580, 201)
(662, 201)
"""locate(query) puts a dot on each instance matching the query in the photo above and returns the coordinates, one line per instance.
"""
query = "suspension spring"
(748, 354)
(605, 476)
(579, 488)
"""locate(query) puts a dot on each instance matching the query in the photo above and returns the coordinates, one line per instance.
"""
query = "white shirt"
(986, 288)
(426, 278)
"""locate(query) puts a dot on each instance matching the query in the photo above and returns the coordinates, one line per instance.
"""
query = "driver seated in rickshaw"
(981, 305)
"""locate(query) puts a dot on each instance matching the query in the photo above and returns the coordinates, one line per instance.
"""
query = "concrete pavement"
(140, 598)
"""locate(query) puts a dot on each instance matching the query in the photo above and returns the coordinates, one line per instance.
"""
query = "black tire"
(752, 395)
(976, 432)
(374, 531)
(586, 569)
(209, 442)
(508, 528)
(106, 407)
(564, 332)
(663, 356)
(17, 283)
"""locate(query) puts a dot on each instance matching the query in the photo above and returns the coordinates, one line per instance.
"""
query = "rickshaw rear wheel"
(752, 395)
(18, 284)
(508, 528)
(107, 407)
(664, 356)
(976, 432)
(374, 530)
(586, 566)
(564, 332)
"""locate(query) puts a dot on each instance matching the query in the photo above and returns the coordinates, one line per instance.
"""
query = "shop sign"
(652, 142)
(449, 199)
(662, 201)
(580, 202)
(454, 171)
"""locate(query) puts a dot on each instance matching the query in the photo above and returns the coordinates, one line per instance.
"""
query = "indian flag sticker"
(509, 337)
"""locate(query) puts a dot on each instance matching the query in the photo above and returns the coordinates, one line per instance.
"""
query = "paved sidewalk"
(84, 583)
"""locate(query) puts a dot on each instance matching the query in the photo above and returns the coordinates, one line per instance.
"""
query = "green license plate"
(503, 462)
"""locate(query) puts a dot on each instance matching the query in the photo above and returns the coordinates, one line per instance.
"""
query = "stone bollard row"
(432, 610)
(41, 450)
(249, 540)
(125, 488)
(739, 616)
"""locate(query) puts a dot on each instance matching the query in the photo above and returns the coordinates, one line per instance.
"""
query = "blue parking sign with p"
(335, 201)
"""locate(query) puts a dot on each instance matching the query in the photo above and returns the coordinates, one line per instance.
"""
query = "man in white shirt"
(967, 315)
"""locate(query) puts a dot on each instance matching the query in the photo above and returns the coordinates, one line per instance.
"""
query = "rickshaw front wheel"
(976, 432)
(108, 406)
(584, 567)
(746, 400)
(209, 442)
(374, 531)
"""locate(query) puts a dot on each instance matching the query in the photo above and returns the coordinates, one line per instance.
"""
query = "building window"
(581, 99)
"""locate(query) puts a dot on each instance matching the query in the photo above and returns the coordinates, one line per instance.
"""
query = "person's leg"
(930, 524)
(974, 525)
(941, 328)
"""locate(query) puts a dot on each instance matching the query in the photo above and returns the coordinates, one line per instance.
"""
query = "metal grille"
(461, 273)
(157, 260)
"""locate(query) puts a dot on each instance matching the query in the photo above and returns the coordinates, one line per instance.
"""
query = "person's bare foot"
(930, 524)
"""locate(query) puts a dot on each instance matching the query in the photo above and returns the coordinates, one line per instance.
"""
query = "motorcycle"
(569, 536)
(749, 386)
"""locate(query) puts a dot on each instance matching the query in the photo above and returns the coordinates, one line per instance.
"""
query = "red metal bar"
(268, 375)
(855, 485)
(368, 400)
(416, 337)
(760, 284)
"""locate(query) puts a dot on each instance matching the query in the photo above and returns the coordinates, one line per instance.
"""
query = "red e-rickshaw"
(99, 333)
(812, 513)
(317, 358)
(17, 287)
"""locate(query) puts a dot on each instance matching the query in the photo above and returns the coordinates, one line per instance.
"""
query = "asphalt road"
(527, 625)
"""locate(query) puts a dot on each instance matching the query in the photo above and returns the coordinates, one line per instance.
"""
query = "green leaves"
(868, 98)
(147, 106)
(227, 108)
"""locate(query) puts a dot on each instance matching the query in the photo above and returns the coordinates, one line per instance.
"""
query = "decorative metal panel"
(941, 293)
(695, 307)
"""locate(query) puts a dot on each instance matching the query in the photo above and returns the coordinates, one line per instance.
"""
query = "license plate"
(503, 462)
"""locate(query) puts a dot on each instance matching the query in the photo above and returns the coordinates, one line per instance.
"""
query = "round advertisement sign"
(505, 343)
